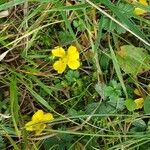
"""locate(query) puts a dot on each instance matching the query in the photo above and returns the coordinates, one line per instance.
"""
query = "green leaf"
(65, 38)
(104, 61)
(118, 70)
(133, 60)
(130, 104)
(78, 25)
(109, 91)
(120, 104)
(124, 18)
(14, 103)
(147, 105)
(2, 143)
(110, 26)
(126, 8)
(103, 108)
(139, 124)
(113, 91)
(12, 3)
(99, 89)
(2, 2)
(72, 76)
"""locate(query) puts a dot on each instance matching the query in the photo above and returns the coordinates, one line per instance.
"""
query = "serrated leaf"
(65, 37)
(130, 104)
(120, 104)
(147, 105)
(103, 108)
(72, 76)
(139, 125)
(100, 90)
(133, 60)
(109, 91)
(113, 92)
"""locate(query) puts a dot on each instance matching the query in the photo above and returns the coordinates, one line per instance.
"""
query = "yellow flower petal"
(139, 11)
(72, 53)
(58, 52)
(37, 123)
(143, 2)
(29, 126)
(38, 116)
(73, 58)
(48, 117)
(60, 65)
(74, 64)
(33, 126)
(40, 129)
(139, 103)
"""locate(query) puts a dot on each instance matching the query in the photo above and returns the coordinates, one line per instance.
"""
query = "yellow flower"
(70, 58)
(37, 123)
(139, 103)
(138, 92)
(139, 11)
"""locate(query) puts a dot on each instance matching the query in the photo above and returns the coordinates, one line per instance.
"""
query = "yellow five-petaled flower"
(38, 121)
(70, 58)
(139, 103)
(139, 11)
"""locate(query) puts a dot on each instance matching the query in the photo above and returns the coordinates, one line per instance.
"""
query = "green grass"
(88, 104)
